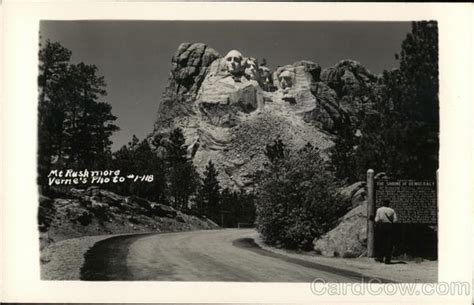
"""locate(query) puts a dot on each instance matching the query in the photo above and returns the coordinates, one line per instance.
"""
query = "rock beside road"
(349, 237)
(94, 211)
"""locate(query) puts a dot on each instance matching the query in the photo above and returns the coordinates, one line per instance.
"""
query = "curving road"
(215, 255)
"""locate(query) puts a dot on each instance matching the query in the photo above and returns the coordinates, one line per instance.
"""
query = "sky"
(135, 56)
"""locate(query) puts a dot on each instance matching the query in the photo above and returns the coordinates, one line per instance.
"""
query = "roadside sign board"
(413, 201)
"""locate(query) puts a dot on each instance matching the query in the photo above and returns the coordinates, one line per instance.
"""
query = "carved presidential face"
(251, 68)
(286, 79)
(233, 61)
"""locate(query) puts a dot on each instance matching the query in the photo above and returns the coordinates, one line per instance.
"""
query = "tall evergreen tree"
(239, 207)
(74, 125)
(182, 177)
(402, 136)
(53, 64)
(138, 158)
(88, 123)
(343, 153)
(208, 197)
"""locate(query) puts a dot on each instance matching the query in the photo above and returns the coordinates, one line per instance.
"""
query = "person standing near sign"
(385, 217)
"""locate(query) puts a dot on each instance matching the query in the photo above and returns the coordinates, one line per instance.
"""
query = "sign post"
(370, 214)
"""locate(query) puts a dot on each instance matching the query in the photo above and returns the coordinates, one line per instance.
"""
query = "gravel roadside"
(63, 260)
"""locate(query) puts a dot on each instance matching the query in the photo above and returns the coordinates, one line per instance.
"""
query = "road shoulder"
(63, 260)
(406, 272)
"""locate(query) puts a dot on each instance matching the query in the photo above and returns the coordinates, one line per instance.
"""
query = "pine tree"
(208, 198)
(176, 148)
(343, 153)
(402, 138)
(53, 63)
(74, 125)
(182, 177)
(89, 122)
(240, 207)
(138, 158)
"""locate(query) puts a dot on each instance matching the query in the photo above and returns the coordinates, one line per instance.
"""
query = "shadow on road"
(249, 244)
(106, 260)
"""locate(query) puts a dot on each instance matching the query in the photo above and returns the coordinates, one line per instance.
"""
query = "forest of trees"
(400, 136)
(177, 183)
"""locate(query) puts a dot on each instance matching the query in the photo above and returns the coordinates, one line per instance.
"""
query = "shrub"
(297, 199)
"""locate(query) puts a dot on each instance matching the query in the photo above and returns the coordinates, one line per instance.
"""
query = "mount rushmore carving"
(231, 106)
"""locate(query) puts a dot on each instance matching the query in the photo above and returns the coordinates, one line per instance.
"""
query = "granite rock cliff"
(233, 107)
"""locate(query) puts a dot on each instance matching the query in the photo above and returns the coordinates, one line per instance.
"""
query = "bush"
(297, 199)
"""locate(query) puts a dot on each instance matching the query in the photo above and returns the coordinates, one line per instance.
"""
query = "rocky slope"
(229, 107)
(349, 237)
(95, 211)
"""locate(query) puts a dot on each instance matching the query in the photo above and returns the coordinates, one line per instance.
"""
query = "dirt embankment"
(74, 221)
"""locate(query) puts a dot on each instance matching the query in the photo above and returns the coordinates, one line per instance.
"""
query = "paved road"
(216, 255)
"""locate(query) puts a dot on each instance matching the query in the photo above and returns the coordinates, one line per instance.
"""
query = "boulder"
(355, 193)
(359, 197)
(101, 195)
(348, 239)
(162, 210)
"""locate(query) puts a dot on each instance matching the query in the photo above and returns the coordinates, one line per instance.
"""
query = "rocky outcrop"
(348, 77)
(355, 193)
(233, 108)
(94, 211)
(188, 68)
(353, 85)
(349, 237)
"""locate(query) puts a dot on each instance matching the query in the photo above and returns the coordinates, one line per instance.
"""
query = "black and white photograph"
(239, 151)
(236, 153)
